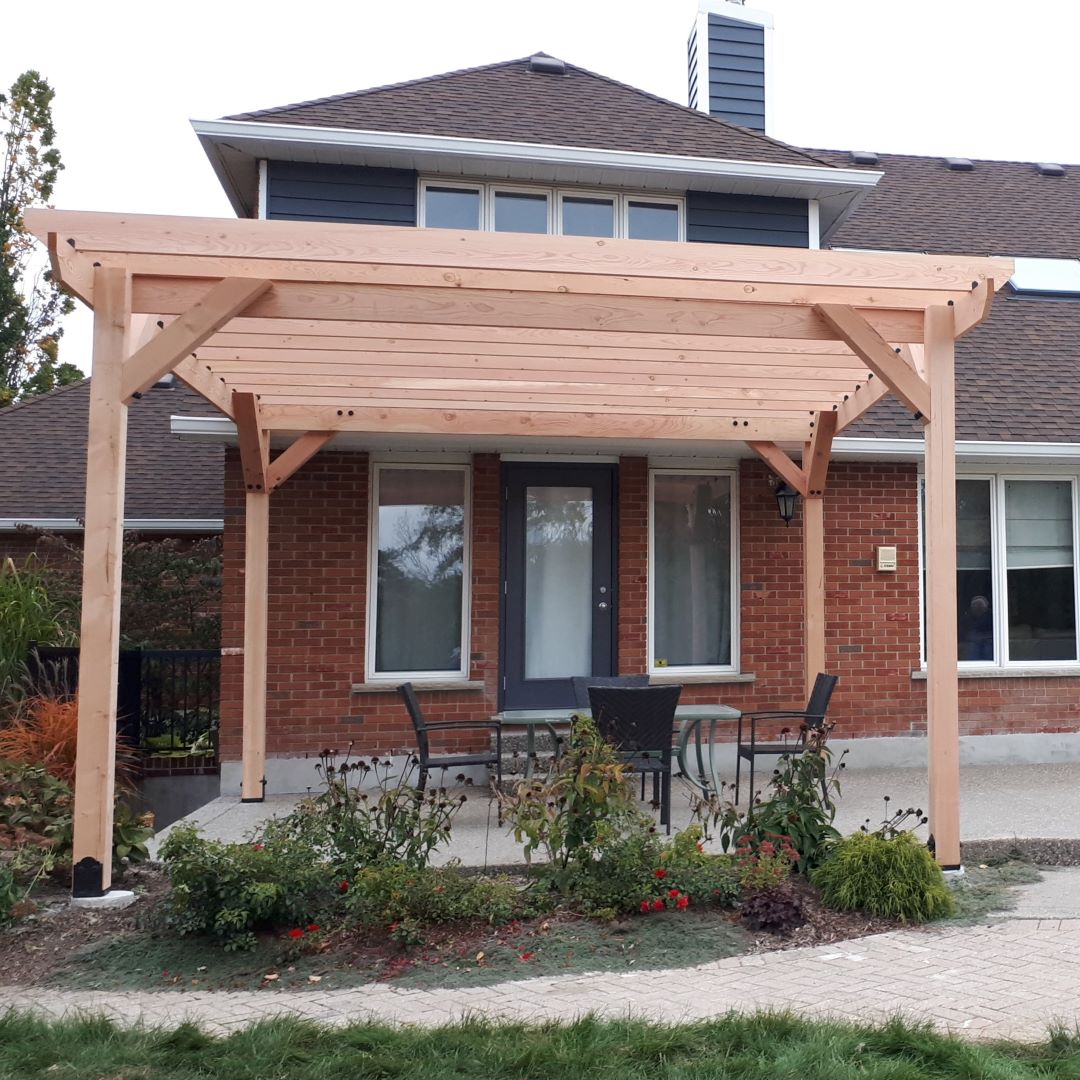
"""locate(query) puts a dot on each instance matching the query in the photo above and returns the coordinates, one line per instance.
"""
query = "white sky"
(977, 78)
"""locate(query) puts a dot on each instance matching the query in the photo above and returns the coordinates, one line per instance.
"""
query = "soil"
(44, 938)
(74, 948)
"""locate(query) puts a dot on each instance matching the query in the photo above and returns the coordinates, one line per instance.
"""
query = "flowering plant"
(764, 864)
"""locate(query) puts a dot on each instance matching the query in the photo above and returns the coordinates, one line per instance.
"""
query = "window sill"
(426, 684)
(1071, 672)
(704, 679)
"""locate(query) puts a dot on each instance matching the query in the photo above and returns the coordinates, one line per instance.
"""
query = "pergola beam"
(868, 344)
(295, 456)
(254, 442)
(818, 452)
(335, 244)
(778, 460)
(187, 332)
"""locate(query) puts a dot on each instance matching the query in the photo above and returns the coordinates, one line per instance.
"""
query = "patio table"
(688, 720)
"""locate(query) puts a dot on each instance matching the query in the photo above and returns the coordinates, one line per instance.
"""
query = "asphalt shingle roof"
(43, 449)
(507, 101)
(998, 208)
(1018, 374)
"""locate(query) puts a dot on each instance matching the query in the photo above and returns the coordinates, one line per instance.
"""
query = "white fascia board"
(165, 525)
(817, 179)
(966, 450)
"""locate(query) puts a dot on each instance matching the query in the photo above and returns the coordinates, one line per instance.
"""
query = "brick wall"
(318, 556)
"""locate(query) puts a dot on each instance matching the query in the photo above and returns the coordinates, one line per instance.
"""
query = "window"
(693, 601)
(498, 207)
(452, 208)
(417, 624)
(1015, 570)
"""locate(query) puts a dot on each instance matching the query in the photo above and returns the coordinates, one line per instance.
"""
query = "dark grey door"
(558, 616)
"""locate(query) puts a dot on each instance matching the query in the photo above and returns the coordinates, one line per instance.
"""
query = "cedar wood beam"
(295, 456)
(816, 456)
(187, 332)
(781, 464)
(254, 446)
(878, 355)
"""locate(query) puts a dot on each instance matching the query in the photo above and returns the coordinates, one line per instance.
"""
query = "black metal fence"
(168, 700)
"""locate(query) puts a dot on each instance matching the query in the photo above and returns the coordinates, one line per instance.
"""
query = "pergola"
(312, 329)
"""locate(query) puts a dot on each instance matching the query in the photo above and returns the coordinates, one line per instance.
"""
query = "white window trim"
(999, 571)
(417, 677)
(736, 582)
(555, 196)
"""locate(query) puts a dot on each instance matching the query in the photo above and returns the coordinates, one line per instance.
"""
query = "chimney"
(728, 54)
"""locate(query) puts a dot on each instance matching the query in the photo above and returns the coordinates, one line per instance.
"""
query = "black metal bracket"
(87, 876)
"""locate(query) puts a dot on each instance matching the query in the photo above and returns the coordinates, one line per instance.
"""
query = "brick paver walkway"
(1007, 979)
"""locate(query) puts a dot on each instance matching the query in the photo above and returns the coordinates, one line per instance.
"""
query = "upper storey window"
(565, 211)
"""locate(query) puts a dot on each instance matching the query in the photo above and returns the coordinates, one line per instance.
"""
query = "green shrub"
(397, 895)
(895, 877)
(230, 891)
(563, 814)
(352, 826)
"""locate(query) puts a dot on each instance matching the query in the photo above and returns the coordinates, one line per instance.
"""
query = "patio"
(523, 341)
(996, 802)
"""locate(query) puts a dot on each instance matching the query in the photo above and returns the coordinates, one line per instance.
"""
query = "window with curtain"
(692, 588)
(420, 539)
(1015, 571)
(1039, 569)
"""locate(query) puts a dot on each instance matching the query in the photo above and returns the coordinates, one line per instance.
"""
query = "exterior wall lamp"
(786, 498)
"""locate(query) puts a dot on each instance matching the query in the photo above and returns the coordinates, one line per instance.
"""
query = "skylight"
(1059, 276)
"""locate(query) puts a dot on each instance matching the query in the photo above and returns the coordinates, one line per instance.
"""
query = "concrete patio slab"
(997, 802)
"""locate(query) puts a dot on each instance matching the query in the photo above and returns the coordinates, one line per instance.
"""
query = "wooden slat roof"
(386, 329)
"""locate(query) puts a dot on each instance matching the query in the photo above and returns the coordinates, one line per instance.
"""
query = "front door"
(559, 581)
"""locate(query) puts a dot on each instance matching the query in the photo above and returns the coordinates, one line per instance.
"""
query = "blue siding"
(715, 218)
(298, 191)
(736, 62)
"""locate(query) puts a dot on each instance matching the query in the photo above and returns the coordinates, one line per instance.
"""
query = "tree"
(31, 304)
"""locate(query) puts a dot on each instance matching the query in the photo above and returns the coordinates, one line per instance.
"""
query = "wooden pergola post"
(813, 588)
(943, 698)
(99, 641)
(256, 580)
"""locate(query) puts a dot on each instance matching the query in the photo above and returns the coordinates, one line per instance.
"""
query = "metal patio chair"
(809, 719)
(640, 721)
(429, 761)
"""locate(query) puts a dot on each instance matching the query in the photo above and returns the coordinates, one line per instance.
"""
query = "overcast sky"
(978, 78)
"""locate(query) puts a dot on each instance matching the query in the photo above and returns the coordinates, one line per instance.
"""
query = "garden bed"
(121, 950)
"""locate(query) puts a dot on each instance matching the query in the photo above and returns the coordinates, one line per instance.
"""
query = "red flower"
(673, 893)
(682, 902)
(658, 905)
(700, 847)
(526, 956)
(645, 907)
(392, 928)
(343, 887)
(296, 933)
(661, 874)
(314, 928)
(258, 847)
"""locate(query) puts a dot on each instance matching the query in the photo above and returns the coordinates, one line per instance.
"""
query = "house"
(174, 486)
(727, 626)
(485, 461)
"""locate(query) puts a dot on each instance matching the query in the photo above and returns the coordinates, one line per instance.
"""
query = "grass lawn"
(753, 1048)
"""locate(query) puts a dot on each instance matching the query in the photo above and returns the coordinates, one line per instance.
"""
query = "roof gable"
(511, 103)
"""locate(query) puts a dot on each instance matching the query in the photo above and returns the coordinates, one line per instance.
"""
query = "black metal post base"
(87, 876)
(258, 798)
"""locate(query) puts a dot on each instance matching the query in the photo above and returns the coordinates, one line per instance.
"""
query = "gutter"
(455, 148)
(164, 525)
(221, 427)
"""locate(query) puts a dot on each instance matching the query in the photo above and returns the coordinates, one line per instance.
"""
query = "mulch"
(44, 938)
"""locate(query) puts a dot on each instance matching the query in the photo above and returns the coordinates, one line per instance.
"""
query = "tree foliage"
(31, 304)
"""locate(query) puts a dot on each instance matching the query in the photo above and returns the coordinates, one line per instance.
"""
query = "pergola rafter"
(314, 329)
